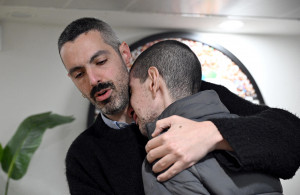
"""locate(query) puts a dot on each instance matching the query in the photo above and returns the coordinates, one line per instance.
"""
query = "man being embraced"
(165, 80)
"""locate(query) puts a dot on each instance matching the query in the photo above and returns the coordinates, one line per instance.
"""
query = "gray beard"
(109, 109)
(113, 106)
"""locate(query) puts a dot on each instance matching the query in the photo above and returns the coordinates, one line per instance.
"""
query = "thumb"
(161, 125)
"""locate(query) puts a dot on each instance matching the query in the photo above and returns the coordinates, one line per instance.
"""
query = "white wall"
(33, 80)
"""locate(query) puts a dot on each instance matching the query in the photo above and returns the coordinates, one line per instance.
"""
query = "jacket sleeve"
(263, 138)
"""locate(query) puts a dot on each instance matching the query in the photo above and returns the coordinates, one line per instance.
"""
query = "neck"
(166, 97)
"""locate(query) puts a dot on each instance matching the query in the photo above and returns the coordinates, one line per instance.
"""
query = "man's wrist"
(224, 145)
(221, 143)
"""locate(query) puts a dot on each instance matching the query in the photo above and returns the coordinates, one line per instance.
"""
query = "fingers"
(153, 143)
(171, 172)
(155, 154)
(155, 150)
(184, 144)
(162, 124)
(164, 163)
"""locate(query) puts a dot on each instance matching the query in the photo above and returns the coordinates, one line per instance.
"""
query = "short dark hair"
(83, 25)
(176, 63)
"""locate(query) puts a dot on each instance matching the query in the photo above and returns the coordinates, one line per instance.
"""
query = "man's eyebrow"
(98, 53)
(74, 69)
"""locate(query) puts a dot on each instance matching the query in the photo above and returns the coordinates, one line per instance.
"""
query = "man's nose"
(93, 76)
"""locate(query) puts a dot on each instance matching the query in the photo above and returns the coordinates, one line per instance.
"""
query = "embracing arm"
(264, 139)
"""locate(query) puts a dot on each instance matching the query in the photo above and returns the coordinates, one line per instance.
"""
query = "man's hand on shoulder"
(184, 144)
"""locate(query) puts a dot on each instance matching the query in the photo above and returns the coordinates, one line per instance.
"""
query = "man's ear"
(125, 53)
(154, 78)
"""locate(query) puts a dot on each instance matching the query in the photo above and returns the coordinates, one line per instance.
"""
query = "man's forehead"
(85, 49)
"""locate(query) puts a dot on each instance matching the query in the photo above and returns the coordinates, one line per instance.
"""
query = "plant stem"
(6, 187)
(10, 169)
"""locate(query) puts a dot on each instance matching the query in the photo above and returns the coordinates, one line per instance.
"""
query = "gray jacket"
(207, 176)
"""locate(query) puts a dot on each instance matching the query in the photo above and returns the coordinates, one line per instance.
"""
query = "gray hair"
(83, 25)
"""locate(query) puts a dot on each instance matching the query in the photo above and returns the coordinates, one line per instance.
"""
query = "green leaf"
(1, 152)
(19, 150)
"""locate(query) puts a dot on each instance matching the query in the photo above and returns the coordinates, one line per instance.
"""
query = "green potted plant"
(16, 155)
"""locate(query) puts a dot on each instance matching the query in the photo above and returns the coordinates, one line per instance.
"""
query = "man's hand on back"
(184, 144)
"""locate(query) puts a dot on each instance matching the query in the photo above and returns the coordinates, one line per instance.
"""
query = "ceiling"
(258, 16)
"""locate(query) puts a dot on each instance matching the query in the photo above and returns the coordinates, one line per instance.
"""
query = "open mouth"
(103, 95)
